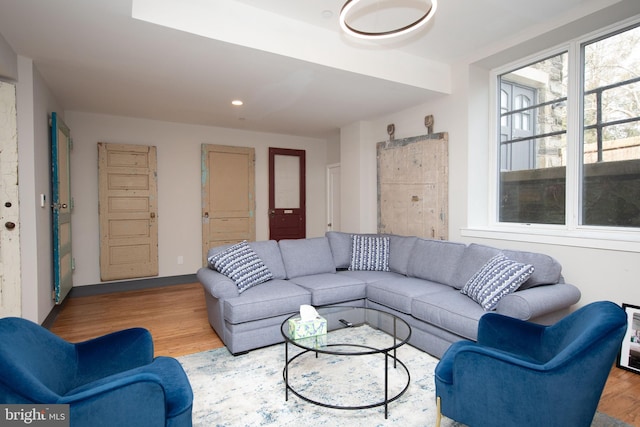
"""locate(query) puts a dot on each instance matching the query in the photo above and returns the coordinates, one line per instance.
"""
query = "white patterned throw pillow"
(370, 253)
(242, 265)
(498, 277)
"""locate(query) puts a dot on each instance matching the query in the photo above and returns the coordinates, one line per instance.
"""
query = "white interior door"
(333, 197)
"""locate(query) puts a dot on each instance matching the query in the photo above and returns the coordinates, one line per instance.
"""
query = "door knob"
(10, 225)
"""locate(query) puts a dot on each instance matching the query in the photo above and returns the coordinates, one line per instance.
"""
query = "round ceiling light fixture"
(376, 35)
(237, 102)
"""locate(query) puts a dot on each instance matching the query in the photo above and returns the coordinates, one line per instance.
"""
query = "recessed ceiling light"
(237, 102)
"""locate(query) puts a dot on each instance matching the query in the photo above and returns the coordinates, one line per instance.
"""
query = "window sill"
(616, 240)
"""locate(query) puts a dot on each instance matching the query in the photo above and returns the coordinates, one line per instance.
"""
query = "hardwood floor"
(621, 396)
(177, 318)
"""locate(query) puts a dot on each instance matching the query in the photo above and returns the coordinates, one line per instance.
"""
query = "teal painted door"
(62, 205)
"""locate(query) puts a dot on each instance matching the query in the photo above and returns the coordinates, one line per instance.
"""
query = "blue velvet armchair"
(523, 374)
(113, 380)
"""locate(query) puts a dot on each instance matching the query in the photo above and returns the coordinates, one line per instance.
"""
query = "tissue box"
(308, 328)
(319, 341)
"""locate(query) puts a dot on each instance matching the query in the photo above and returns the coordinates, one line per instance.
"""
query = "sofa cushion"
(434, 260)
(371, 276)
(472, 260)
(241, 264)
(498, 277)
(267, 250)
(272, 298)
(340, 244)
(400, 249)
(547, 269)
(305, 257)
(397, 293)
(331, 288)
(369, 253)
(449, 310)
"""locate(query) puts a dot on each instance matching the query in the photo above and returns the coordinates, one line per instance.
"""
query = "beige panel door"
(128, 211)
(10, 282)
(228, 196)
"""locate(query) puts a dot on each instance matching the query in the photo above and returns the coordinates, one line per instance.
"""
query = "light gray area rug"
(248, 390)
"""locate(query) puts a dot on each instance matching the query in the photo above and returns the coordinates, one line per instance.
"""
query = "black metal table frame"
(373, 350)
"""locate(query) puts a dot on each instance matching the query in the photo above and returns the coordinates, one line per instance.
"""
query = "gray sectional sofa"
(422, 286)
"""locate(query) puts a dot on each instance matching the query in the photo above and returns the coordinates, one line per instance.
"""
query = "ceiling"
(287, 60)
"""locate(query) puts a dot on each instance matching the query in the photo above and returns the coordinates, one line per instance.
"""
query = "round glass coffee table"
(343, 324)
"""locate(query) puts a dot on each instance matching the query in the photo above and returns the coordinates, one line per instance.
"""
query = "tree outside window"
(611, 131)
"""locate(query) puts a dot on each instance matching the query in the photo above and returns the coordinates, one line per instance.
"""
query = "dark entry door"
(287, 218)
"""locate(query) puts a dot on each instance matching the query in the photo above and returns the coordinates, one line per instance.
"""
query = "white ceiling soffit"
(238, 23)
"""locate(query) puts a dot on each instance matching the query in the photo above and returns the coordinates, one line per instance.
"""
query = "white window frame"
(571, 233)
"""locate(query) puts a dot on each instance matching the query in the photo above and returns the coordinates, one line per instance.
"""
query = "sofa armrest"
(536, 302)
(217, 284)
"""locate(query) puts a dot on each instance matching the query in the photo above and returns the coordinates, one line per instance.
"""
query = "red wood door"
(287, 214)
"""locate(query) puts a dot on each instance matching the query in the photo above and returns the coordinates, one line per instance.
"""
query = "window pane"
(535, 196)
(611, 131)
(287, 181)
(533, 120)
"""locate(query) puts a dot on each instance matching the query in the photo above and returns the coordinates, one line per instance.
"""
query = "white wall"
(358, 193)
(179, 184)
(333, 149)
(599, 273)
(8, 61)
(35, 105)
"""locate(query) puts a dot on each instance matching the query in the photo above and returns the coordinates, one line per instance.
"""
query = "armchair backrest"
(35, 365)
(598, 326)
(529, 374)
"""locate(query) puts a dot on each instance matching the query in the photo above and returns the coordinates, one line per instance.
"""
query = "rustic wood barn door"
(413, 186)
